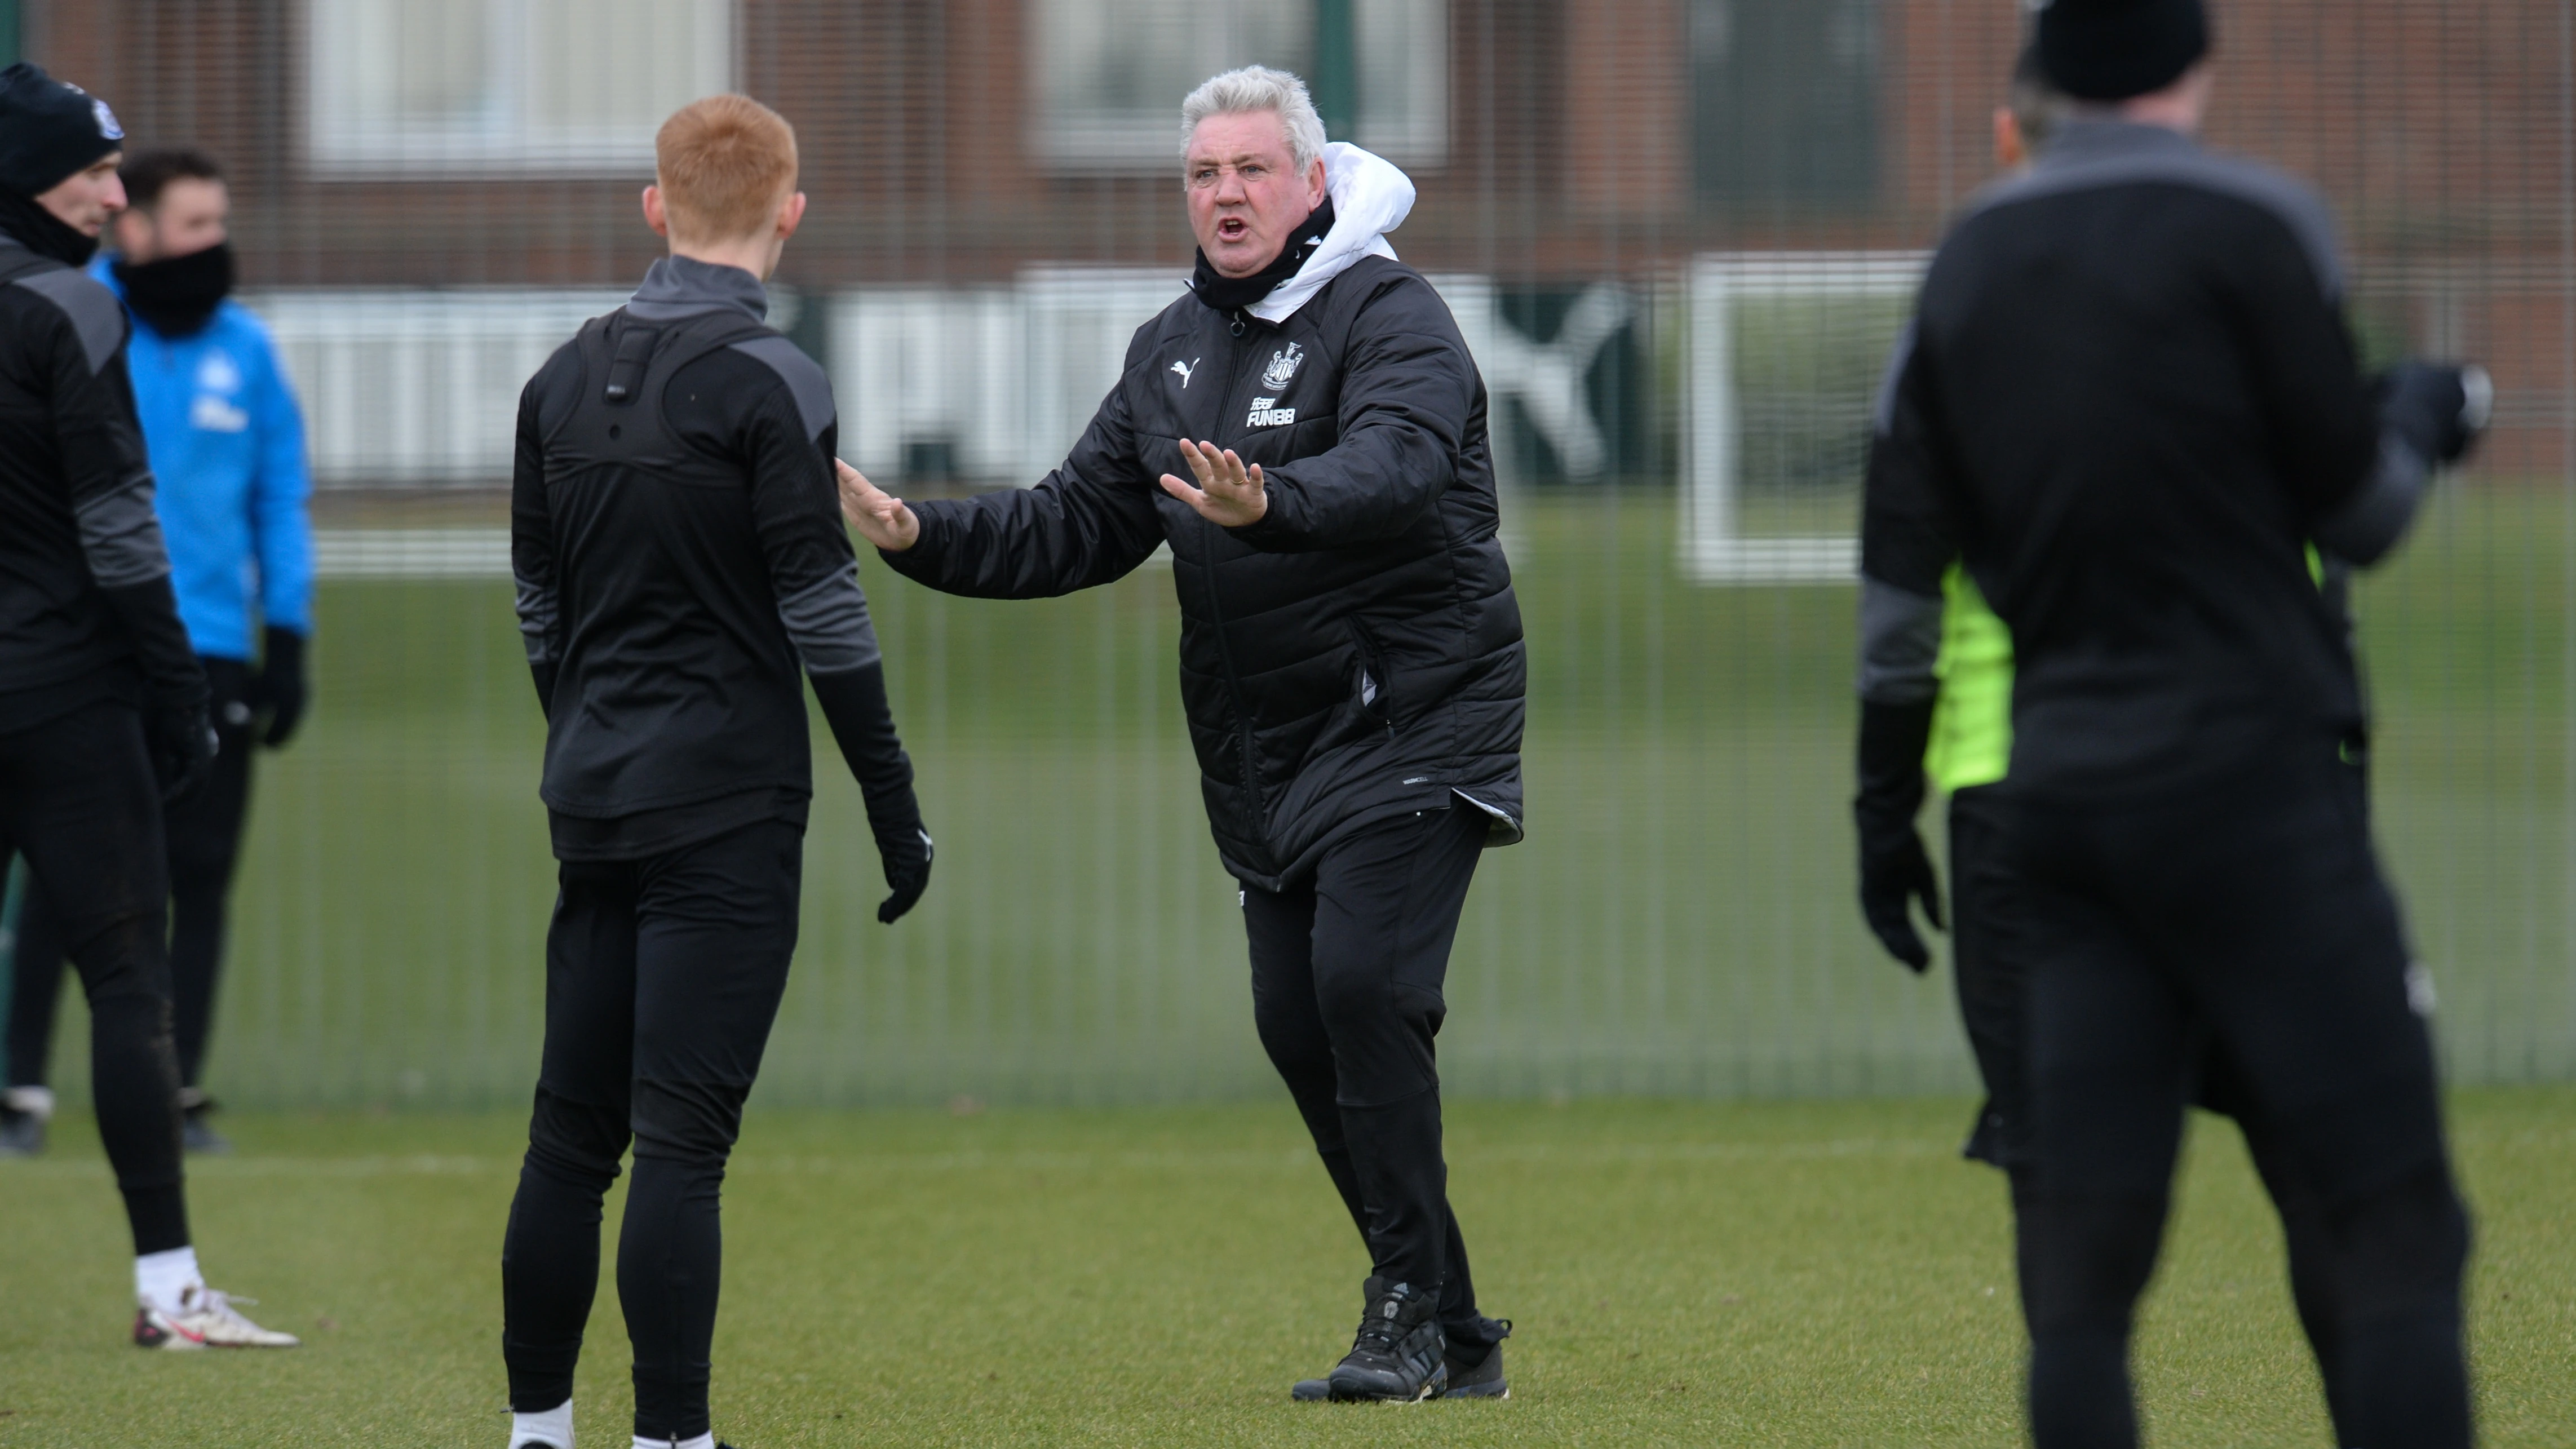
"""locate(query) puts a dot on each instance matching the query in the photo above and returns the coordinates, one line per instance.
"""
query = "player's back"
(679, 480)
(2147, 399)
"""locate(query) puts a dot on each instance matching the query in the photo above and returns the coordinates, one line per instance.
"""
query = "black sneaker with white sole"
(1396, 1357)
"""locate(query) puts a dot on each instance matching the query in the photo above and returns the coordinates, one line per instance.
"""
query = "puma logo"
(1185, 369)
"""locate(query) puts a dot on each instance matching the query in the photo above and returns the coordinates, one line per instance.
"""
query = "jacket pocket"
(1370, 683)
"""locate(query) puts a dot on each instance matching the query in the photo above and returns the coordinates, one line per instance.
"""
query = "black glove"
(1894, 868)
(2435, 408)
(280, 689)
(905, 850)
(183, 743)
(854, 704)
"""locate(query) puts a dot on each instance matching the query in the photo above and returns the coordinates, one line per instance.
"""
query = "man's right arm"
(1091, 521)
(2357, 460)
(1907, 544)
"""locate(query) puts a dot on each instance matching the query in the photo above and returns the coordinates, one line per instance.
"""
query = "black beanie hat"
(2110, 50)
(49, 130)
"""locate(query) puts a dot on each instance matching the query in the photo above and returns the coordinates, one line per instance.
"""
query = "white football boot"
(206, 1319)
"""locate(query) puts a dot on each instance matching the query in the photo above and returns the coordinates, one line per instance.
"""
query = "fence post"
(1336, 79)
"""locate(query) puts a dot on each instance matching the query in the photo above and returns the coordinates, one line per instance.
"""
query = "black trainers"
(1396, 1356)
(1476, 1370)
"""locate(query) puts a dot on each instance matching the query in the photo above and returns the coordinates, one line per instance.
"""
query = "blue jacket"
(226, 444)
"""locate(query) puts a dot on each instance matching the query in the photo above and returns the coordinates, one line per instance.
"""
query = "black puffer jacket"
(1354, 656)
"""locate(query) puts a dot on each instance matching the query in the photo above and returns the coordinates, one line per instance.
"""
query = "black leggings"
(1347, 967)
(662, 979)
(204, 832)
(1990, 958)
(79, 803)
(2250, 917)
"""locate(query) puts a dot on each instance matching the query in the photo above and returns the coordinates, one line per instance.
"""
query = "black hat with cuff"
(49, 131)
(2112, 50)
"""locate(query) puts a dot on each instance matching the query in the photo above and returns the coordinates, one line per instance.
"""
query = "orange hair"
(724, 164)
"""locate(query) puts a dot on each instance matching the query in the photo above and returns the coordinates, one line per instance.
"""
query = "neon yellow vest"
(1972, 719)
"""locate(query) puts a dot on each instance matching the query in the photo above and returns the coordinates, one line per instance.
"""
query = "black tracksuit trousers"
(204, 835)
(663, 976)
(1347, 967)
(1990, 941)
(79, 802)
(2250, 916)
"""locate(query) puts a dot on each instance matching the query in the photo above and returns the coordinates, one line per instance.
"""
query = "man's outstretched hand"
(880, 517)
(1228, 494)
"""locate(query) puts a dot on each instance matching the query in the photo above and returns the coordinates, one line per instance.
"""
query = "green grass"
(1812, 1273)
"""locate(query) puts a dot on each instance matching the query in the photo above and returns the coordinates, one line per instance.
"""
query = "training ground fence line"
(1679, 237)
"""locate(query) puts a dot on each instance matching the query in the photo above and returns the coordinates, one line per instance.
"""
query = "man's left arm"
(1408, 388)
(789, 438)
(282, 536)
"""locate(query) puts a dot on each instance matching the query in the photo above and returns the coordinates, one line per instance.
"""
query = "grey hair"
(1258, 88)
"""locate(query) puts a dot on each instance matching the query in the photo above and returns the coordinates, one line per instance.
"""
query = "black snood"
(42, 232)
(1230, 294)
(177, 296)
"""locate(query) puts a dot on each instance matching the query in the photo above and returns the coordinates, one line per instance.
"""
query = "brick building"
(499, 143)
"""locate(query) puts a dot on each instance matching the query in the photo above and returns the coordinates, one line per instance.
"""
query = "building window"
(1109, 75)
(466, 87)
(1785, 102)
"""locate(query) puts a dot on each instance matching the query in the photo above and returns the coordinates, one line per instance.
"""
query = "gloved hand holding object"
(1895, 870)
(2437, 409)
(854, 704)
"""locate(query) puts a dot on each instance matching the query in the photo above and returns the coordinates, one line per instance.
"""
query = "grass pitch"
(1682, 1273)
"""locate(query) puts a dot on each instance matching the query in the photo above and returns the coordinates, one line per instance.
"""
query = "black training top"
(679, 551)
(2129, 397)
(76, 517)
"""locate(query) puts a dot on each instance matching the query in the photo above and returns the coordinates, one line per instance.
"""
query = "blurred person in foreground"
(1351, 656)
(2130, 402)
(226, 442)
(1936, 703)
(102, 700)
(679, 557)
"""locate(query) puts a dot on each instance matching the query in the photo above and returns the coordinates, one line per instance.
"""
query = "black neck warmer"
(1233, 294)
(42, 232)
(177, 296)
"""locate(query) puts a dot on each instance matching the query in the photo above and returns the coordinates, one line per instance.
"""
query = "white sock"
(554, 1427)
(706, 1440)
(161, 1278)
(36, 1102)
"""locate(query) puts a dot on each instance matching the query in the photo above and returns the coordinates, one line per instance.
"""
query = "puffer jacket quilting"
(1357, 654)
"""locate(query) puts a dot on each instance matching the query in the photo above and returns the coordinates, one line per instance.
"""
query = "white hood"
(1370, 199)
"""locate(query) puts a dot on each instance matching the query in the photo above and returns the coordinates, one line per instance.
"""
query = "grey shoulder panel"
(2286, 199)
(1900, 642)
(803, 376)
(97, 318)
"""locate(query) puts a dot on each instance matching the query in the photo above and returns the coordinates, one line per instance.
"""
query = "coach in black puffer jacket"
(1356, 654)
(1351, 652)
